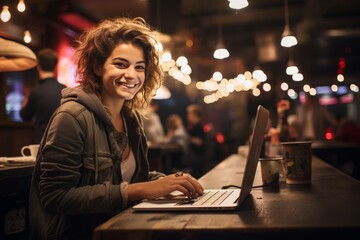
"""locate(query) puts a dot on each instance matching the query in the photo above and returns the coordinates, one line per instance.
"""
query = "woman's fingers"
(193, 187)
(184, 190)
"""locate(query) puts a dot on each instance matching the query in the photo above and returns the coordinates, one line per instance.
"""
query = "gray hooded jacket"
(76, 183)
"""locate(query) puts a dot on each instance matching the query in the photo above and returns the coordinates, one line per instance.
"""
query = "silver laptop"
(218, 199)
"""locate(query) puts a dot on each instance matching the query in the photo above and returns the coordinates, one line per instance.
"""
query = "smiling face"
(123, 73)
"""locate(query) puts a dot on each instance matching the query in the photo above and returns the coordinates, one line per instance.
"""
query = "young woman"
(92, 161)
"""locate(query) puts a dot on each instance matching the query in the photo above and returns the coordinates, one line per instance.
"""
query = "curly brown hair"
(97, 44)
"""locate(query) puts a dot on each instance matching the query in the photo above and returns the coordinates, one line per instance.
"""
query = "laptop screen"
(256, 143)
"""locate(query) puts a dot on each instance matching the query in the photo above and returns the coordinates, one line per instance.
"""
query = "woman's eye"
(120, 65)
(140, 67)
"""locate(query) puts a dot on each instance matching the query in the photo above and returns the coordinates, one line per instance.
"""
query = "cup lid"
(296, 143)
(271, 158)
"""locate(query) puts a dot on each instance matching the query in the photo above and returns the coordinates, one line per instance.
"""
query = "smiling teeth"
(127, 85)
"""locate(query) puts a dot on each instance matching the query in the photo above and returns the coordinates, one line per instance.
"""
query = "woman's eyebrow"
(141, 62)
(124, 59)
(120, 58)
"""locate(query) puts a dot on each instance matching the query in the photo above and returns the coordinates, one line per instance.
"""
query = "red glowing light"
(329, 135)
(220, 138)
(207, 127)
(342, 64)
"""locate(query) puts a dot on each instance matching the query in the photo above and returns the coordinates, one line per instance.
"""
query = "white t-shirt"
(128, 167)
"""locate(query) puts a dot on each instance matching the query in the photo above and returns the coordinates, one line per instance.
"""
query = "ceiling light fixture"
(291, 67)
(15, 56)
(238, 4)
(287, 40)
(221, 52)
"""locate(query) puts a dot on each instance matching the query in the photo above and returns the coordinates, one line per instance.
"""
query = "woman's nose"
(130, 72)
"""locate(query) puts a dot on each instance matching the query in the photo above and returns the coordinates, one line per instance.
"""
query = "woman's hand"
(182, 182)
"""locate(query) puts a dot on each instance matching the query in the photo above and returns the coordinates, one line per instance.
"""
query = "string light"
(27, 36)
(222, 87)
(5, 14)
(297, 77)
(21, 6)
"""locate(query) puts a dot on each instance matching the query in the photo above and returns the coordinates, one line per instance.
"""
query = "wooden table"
(329, 208)
(342, 155)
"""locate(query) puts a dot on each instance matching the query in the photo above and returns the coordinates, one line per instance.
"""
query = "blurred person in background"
(348, 130)
(294, 129)
(197, 138)
(39, 104)
(313, 119)
(176, 133)
(153, 127)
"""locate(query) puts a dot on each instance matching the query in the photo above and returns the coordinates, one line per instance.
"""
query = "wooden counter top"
(328, 208)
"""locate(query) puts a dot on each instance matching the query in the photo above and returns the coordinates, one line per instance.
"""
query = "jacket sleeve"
(62, 172)
(155, 175)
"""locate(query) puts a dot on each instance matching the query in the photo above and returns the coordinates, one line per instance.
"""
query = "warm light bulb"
(166, 57)
(221, 53)
(288, 41)
(186, 69)
(291, 70)
(162, 93)
(340, 78)
(5, 14)
(181, 61)
(238, 4)
(284, 86)
(297, 77)
(27, 36)
(21, 6)
(306, 88)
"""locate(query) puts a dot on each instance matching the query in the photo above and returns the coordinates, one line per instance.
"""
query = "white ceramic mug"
(32, 149)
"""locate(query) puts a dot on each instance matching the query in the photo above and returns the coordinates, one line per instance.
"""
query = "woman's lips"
(127, 85)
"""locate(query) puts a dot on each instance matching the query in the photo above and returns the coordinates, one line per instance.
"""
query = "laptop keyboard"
(212, 198)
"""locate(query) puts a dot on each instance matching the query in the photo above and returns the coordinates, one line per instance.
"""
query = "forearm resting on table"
(136, 192)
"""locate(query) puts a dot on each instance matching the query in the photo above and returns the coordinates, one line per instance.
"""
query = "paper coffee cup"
(270, 170)
(297, 162)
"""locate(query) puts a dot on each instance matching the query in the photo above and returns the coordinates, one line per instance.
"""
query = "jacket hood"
(89, 100)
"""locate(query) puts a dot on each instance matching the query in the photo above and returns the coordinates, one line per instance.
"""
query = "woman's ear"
(97, 69)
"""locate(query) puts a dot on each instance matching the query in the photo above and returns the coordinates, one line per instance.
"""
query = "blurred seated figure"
(197, 138)
(293, 127)
(176, 133)
(314, 119)
(348, 131)
(153, 127)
